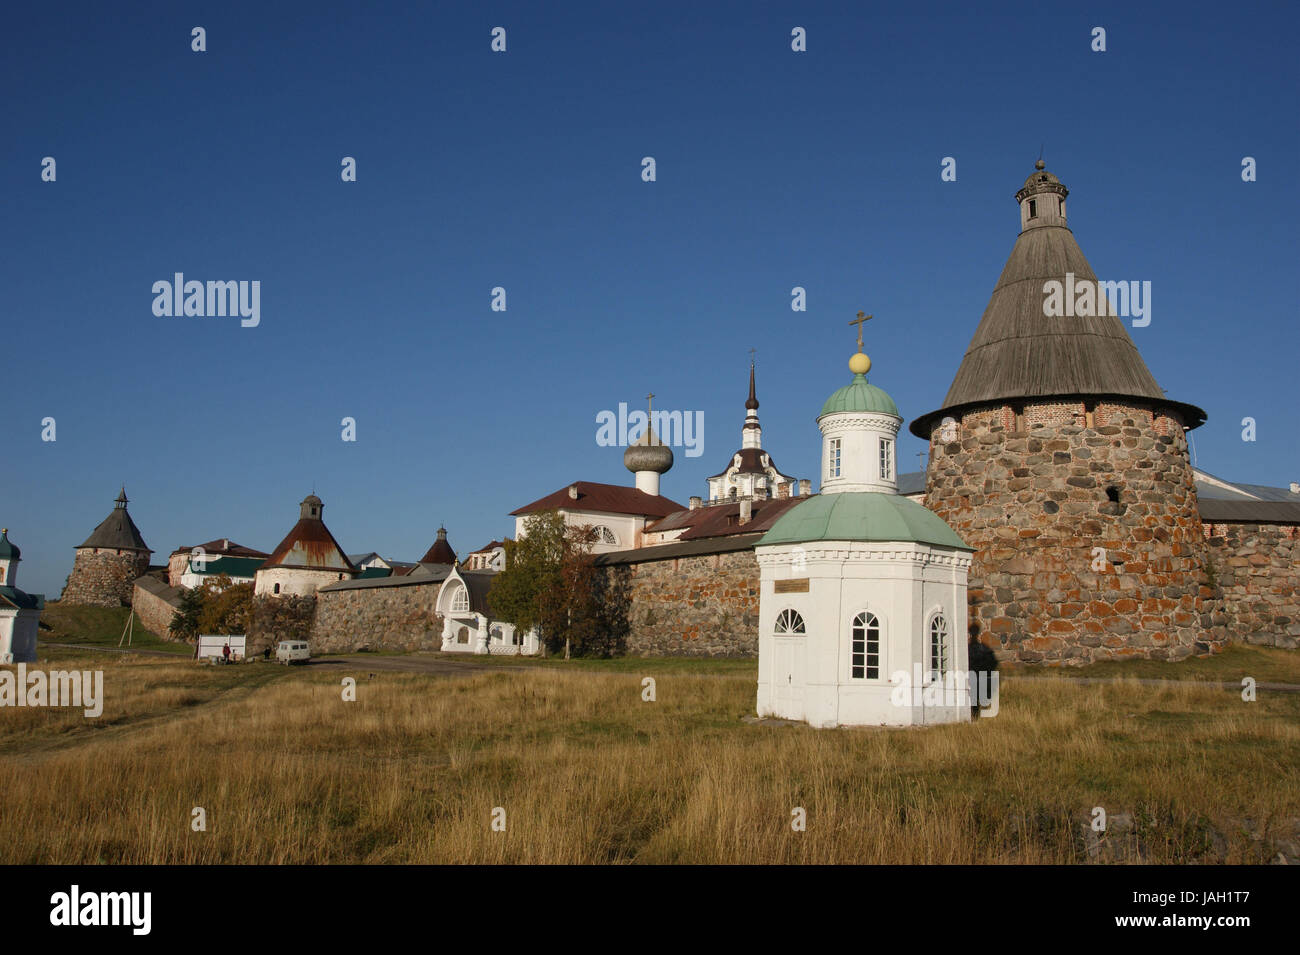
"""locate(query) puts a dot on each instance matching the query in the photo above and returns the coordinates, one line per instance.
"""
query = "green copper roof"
(214, 566)
(857, 395)
(7, 549)
(861, 516)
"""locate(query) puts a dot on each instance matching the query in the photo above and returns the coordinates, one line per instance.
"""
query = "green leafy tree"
(227, 607)
(551, 583)
(185, 624)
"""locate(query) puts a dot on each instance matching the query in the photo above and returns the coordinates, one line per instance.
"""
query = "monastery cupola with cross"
(859, 425)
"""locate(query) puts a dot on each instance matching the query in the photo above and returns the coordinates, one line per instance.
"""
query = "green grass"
(648, 666)
(99, 627)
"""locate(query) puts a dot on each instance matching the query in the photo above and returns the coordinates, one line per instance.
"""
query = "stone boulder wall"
(279, 618)
(104, 579)
(1031, 489)
(705, 605)
(380, 618)
(1257, 566)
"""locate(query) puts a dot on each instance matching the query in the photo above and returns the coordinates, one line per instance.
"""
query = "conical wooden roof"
(1018, 352)
(117, 531)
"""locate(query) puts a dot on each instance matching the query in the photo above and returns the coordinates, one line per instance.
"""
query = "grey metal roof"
(478, 582)
(694, 548)
(410, 580)
(1018, 352)
(913, 482)
(1253, 512)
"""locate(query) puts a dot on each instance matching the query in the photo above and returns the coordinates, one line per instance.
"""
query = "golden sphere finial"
(860, 364)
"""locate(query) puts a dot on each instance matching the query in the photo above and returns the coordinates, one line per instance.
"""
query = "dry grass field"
(589, 773)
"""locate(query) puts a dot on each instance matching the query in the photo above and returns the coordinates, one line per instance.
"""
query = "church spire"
(751, 435)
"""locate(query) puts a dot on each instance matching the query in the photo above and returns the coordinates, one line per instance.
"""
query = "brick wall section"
(695, 606)
(1033, 503)
(155, 604)
(104, 579)
(1258, 568)
(381, 618)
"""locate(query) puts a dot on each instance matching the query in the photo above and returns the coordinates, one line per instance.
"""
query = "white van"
(292, 651)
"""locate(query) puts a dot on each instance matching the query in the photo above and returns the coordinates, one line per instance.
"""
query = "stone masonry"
(703, 605)
(1257, 566)
(104, 578)
(381, 618)
(155, 604)
(1036, 489)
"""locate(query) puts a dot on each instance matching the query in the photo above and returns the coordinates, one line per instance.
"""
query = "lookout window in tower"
(886, 459)
(1033, 208)
(833, 459)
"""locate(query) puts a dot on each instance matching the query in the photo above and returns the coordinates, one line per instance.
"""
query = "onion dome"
(648, 453)
(8, 550)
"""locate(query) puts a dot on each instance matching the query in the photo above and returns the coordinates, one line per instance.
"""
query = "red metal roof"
(723, 520)
(604, 499)
(225, 547)
(309, 545)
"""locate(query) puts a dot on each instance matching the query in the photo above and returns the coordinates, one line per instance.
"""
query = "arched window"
(865, 647)
(788, 623)
(939, 644)
(604, 535)
(276, 590)
(463, 636)
(460, 601)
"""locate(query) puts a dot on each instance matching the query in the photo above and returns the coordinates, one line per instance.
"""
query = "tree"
(185, 624)
(227, 608)
(551, 583)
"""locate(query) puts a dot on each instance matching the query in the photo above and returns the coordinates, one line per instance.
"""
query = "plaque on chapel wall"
(791, 586)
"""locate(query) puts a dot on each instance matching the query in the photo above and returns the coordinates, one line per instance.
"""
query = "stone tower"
(1058, 457)
(109, 561)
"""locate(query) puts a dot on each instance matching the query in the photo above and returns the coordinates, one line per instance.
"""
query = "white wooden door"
(787, 678)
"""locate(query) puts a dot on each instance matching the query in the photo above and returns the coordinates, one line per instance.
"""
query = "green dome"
(861, 516)
(7, 550)
(857, 395)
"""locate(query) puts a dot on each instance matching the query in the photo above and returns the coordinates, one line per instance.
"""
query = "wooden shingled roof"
(1018, 352)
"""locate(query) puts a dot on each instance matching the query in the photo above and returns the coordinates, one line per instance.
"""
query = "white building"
(467, 624)
(20, 612)
(617, 514)
(862, 605)
(307, 559)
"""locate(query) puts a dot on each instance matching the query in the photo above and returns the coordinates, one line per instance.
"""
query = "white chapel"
(862, 602)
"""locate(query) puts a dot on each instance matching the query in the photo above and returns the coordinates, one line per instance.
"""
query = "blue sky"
(522, 170)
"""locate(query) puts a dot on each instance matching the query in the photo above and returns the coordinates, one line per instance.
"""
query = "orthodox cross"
(751, 355)
(858, 322)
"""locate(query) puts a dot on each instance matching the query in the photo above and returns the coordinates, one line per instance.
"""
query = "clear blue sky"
(522, 170)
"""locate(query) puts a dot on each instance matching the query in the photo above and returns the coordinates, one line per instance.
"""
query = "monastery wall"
(1028, 487)
(155, 603)
(695, 606)
(104, 578)
(1257, 566)
(381, 618)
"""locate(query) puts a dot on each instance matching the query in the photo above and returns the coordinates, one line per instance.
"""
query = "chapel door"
(787, 678)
